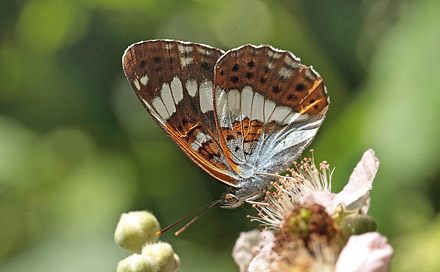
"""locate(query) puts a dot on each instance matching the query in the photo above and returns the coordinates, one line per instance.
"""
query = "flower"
(367, 252)
(306, 185)
(308, 240)
(316, 230)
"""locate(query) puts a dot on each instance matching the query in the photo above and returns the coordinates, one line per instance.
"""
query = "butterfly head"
(234, 200)
(249, 190)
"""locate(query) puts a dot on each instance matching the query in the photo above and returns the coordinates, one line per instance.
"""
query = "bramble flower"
(367, 252)
(306, 184)
(316, 230)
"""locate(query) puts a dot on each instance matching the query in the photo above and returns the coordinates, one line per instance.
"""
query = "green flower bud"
(138, 263)
(176, 262)
(135, 229)
(357, 224)
(163, 254)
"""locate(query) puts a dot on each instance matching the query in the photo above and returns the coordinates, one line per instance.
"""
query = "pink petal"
(356, 192)
(328, 200)
(248, 245)
(264, 261)
(368, 252)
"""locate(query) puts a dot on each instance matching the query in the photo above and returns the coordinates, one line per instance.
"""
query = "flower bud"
(357, 224)
(163, 254)
(135, 229)
(176, 262)
(138, 263)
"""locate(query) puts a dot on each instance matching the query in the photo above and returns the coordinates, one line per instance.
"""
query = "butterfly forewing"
(268, 107)
(174, 81)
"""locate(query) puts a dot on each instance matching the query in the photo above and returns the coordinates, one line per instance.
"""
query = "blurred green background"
(77, 149)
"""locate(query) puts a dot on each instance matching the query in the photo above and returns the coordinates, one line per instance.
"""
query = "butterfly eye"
(231, 199)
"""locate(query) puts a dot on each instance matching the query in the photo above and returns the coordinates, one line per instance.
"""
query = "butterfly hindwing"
(268, 107)
(173, 80)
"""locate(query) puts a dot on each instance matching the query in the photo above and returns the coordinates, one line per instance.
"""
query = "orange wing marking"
(202, 163)
(310, 106)
(189, 130)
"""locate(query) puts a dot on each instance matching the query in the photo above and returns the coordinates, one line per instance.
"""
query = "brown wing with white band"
(174, 80)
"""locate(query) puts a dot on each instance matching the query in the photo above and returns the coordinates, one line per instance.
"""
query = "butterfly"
(242, 115)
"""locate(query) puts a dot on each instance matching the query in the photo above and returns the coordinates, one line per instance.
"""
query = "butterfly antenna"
(204, 209)
(212, 204)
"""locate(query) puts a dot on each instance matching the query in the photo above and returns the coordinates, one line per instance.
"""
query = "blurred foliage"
(77, 149)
